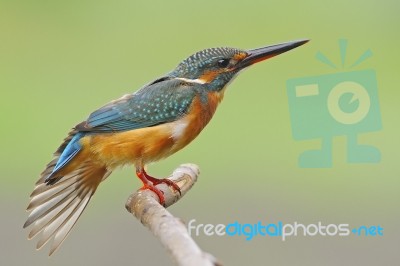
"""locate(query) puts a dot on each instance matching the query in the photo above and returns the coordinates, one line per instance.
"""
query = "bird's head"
(217, 66)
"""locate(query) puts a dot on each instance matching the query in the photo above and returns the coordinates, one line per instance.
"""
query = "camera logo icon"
(325, 106)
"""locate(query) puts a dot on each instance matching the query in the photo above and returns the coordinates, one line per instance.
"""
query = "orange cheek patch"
(209, 76)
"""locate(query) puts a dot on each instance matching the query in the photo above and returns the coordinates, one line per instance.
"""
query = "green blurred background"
(60, 60)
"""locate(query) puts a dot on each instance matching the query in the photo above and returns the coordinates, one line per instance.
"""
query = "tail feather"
(44, 220)
(65, 228)
(66, 141)
(66, 180)
(51, 165)
(43, 193)
(57, 224)
(39, 209)
(69, 152)
(55, 208)
(48, 170)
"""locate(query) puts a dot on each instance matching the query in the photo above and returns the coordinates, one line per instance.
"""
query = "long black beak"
(260, 54)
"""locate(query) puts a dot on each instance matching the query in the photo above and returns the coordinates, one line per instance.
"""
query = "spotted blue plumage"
(193, 66)
(162, 101)
(155, 104)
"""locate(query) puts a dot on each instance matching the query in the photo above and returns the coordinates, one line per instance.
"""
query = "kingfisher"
(139, 128)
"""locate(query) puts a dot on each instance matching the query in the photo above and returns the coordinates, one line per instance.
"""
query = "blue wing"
(65, 155)
(161, 102)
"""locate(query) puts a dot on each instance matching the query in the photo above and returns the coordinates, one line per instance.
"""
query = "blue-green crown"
(195, 65)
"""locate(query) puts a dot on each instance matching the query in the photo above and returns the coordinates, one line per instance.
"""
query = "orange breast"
(145, 145)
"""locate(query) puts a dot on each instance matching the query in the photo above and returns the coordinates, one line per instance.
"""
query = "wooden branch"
(171, 231)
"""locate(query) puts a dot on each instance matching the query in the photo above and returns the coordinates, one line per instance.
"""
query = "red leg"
(150, 182)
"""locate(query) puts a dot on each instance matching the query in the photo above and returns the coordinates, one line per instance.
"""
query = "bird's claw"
(150, 183)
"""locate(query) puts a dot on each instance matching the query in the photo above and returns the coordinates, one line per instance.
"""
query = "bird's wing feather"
(59, 199)
(54, 209)
(163, 101)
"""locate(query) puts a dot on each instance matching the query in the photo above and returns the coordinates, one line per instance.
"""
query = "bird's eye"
(223, 62)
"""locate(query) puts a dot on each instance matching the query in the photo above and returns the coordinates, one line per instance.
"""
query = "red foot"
(150, 182)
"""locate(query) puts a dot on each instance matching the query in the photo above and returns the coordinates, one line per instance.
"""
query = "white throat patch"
(198, 81)
(178, 129)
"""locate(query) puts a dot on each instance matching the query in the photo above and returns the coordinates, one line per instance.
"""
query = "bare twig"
(171, 231)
